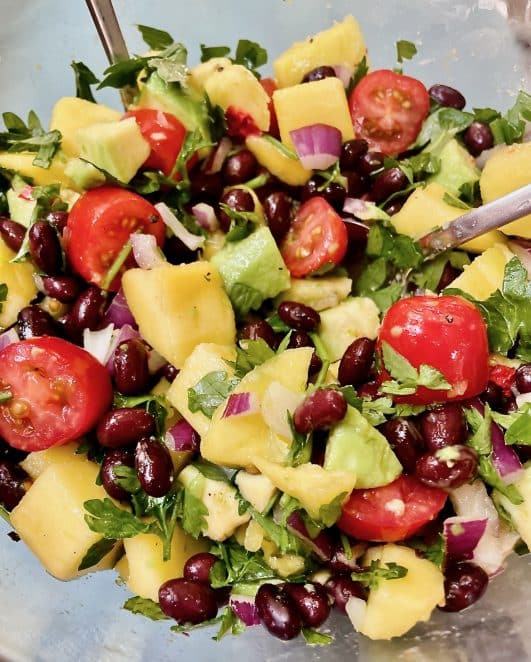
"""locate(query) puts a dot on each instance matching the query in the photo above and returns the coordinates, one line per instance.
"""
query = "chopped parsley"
(30, 137)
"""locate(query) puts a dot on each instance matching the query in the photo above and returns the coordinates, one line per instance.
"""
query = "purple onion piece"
(119, 313)
(8, 338)
(462, 536)
(321, 545)
(245, 609)
(239, 404)
(318, 146)
(182, 437)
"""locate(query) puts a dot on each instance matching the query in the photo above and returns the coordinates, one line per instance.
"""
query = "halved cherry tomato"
(99, 225)
(270, 86)
(447, 333)
(59, 392)
(317, 237)
(388, 109)
(391, 513)
(165, 135)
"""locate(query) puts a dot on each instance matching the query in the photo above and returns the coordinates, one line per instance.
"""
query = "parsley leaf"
(145, 607)
(249, 354)
(429, 273)
(229, 623)
(510, 128)
(301, 445)
(157, 405)
(362, 69)
(123, 73)
(406, 378)
(377, 571)
(113, 522)
(434, 552)
(96, 552)
(84, 79)
(3, 295)
(194, 513)
(242, 223)
(316, 638)
(209, 52)
(210, 392)
(330, 512)
(248, 53)
(20, 137)
(519, 430)
(237, 566)
(283, 539)
(405, 50)
(451, 200)
(164, 510)
(156, 39)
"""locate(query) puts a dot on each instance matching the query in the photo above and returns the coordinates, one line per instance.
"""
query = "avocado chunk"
(457, 168)
(20, 209)
(84, 174)
(190, 109)
(252, 270)
(354, 445)
(219, 499)
(103, 146)
(319, 293)
(355, 317)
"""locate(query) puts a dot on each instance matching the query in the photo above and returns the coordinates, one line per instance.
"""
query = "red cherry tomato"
(391, 513)
(59, 392)
(165, 135)
(447, 333)
(239, 123)
(388, 109)
(503, 376)
(317, 237)
(269, 85)
(99, 225)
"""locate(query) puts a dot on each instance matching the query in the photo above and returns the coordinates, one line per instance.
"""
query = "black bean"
(278, 207)
(445, 425)
(34, 321)
(177, 252)
(298, 316)
(197, 568)
(7, 452)
(187, 602)
(394, 207)
(478, 137)
(63, 288)
(260, 329)
(448, 467)
(448, 275)
(169, 372)
(44, 248)
(278, 612)
(319, 73)
(205, 187)
(351, 153)
(121, 427)
(86, 313)
(355, 364)
(12, 479)
(357, 184)
(311, 601)
(522, 378)
(237, 199)
(12, 233)
(341, 588)
(371, 162)
(302, 339)
(493, 396)
(58, 220)
(388, 182)
(335, 195)
(154, 467)
(113, 459)
(131, 370)
(319, 410)
(239, 167)
(447, 96)
(464, 584)
(405, 440)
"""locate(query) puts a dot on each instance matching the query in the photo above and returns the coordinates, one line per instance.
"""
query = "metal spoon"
(112, 39)
(477, 221)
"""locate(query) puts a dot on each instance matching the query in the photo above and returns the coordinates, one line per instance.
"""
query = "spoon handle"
(111, 37)
(478, 221)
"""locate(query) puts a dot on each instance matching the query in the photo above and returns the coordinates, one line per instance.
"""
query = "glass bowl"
(477, 46)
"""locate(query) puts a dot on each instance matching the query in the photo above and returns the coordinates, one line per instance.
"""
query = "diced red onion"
(205, 216)
(522, 249)
(99, 343)
(26, 193)
(155, 361)
(182, 437)
(8, 338)
(191, 241)
(365, 210)
(276, 403)
(321, 545)
(462, 536)
(318, 146)
(241, 404)
(219, 156)
(472, 502)
(119, 313)
(245, 609)
(344, 72)
(146, 251)
(504, 458)
(120, 336)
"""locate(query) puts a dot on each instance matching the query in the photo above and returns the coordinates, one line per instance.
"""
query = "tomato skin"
(366, 517)
(100, 223)
(165, 135)
(65, 388)
(503, 376)
(269, 85)
(388, 109)
(447, 333)
(316, 237)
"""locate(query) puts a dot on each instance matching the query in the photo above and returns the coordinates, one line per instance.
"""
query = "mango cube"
(485, 274)
(22, 162)
(280, 165)
(21, 288)
(37, 462)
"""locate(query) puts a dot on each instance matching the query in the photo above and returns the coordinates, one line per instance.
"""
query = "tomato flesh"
(165, 135)
(59, 392)
(503, 376)
(447, 333)
(99, 225)
(388, 109)
(317, 237)
(270, 86)
(240, 124)
(391, 513)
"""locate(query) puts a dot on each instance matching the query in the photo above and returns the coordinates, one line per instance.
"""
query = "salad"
(229, 372)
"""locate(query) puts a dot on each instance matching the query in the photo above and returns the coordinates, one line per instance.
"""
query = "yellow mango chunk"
(280, 165)
(343, 44)
(50, 516)
(320, 102)
(310, 484)
(205, 358)
(177, 307)
(235, 441)
(235, 86)
(22, 163)
(202, 72)
(396, 605)
(35, 463)
(426, 209)
(485, 274)
(355, 317)
(21, 288)
(70, 114)
(144, 570)
(505, 171)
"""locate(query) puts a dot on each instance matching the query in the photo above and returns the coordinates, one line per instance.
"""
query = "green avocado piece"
(252, 270)
(458, 168)
(355, 445)
(319, 293)
(190, 109)
(20, 209)
(520, 514)
(115, 147)
(84, 174)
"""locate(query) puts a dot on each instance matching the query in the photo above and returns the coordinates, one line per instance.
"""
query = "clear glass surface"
(478, 46)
